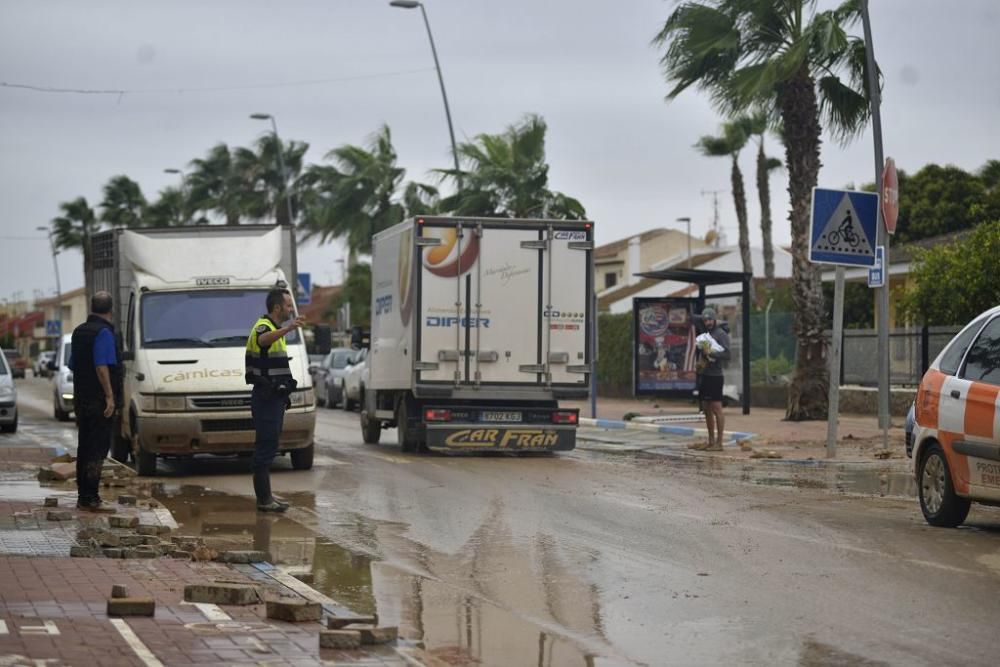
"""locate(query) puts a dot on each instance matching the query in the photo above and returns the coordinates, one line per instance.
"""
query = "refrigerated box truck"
(185, 299)
(479, 327)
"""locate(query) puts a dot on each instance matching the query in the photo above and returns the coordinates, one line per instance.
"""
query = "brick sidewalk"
(53, 608)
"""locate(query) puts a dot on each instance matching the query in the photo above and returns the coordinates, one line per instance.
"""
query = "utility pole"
(715, 213)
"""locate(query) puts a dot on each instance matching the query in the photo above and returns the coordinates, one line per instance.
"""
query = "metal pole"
(284, 174)
(883, 302)
(444, 95)
(833, 402)
(767, 342)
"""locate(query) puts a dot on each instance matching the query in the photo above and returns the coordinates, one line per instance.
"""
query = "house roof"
(612, 249)
(319, 305)
(904, 252)
(625, 291)
(53, 300)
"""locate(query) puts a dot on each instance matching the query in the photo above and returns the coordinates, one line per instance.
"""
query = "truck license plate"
(501, 416)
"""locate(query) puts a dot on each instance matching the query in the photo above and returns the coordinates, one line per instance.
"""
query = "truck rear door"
(503, 303)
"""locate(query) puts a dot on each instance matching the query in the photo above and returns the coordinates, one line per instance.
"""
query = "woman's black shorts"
(710, 388)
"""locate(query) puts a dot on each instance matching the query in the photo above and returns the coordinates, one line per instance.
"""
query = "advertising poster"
(664, 345)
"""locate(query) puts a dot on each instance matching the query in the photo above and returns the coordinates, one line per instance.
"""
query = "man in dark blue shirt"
(96, 393)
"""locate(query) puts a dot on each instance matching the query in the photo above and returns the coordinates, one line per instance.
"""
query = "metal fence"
(910, 352)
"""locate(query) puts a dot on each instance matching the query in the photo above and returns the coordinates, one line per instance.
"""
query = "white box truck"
(185, 299)
(479, 327)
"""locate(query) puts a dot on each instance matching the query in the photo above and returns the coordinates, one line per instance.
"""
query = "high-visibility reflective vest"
(266, 363)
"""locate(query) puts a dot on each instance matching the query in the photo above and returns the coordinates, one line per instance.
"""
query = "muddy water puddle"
(837, 478)
(446, 603)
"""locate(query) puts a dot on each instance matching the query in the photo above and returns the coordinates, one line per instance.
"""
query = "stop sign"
(890, 195)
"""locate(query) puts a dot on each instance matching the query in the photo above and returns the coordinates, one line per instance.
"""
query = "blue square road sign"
(842, 228)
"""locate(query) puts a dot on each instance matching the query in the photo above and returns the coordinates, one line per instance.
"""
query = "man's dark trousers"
(268, 410)
(94, 441)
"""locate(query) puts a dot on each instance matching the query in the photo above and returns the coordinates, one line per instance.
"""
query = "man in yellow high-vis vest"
(268, 371)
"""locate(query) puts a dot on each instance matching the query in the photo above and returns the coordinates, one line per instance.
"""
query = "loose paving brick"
(123, 521)
(242, 557)
(108, 539)
(131, 540)
(339, 622)
(340, 639)
(59, 515)
(371, 634)
(127, 500)
(81, 551)
(131, 607)
(148, 529)
(51, 501)
(114, 552)
(119, 591)
(294, 611)
(234, 594)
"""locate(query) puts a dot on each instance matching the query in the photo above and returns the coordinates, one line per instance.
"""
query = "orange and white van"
(956, 450)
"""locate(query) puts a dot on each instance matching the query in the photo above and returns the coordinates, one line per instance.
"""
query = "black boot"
(262, 489)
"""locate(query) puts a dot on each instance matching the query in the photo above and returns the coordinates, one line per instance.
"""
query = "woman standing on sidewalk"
(710, 380)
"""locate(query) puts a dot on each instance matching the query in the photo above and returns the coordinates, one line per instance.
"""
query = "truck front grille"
(237, 402)
(216, 425)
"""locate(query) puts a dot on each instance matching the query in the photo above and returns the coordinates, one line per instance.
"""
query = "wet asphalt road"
(594, 558)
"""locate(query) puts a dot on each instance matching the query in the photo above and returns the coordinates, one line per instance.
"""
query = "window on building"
(610, 280)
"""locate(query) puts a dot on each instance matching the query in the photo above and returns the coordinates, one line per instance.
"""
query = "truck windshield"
(206, 318)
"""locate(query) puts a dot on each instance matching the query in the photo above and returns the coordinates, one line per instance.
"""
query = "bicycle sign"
(842, 229)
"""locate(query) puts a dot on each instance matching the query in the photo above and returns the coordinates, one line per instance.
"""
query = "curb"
(661, 428)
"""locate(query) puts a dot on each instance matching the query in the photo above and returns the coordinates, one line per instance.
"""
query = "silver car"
(8, 397)
(330, 374)
(62, 381)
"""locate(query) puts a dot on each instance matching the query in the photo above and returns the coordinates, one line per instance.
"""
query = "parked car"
(910, 424)
(62, 381)
(8, 397)
(17, 364)
(330, 376)
(355, 380)
(41, 365)
(956, 437)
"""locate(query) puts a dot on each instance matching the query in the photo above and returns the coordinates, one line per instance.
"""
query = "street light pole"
(55, 265)
(413, 4)
(687, 221)
(281, 162)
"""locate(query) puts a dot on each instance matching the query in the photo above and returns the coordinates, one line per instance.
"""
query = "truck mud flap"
(475, 437)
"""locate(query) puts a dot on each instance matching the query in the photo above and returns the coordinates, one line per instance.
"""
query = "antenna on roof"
(717, 237)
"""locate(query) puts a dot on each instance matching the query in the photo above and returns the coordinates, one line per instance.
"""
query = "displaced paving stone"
(147, 529)
(339, 639)
(145, 551)
(123, 521)
(180, 555)
(119, 591)
(131, 540)
(371, 634)
(59, 515)
(63, 471)
(131, 607)
(45, 474)
(108, 539)
(63, 458)
(114, 552)
(203, 553)
(242, 557)
(294, 611)
(51, 501)
(127, 500)
(81, 551)
(149, 540)
(338, 622)
(235, 594)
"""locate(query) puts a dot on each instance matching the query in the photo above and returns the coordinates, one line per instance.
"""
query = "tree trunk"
(807, 395)
(764, 194)
(740, 199)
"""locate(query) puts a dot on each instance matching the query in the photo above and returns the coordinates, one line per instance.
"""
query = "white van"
(62, 381)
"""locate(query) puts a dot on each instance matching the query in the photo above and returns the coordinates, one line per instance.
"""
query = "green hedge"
(614, 353)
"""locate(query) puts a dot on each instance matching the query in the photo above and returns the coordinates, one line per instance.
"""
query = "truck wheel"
(371, 429)
(11, 427)
(409, 440)
(348, 404)
(938, 501)
(145, 462)
(302, 459)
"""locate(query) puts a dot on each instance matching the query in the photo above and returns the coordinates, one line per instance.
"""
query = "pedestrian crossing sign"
(842, 228)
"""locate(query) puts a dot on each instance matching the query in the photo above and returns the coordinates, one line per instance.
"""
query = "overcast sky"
(587, 67)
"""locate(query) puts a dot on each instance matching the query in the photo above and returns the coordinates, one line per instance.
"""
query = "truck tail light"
(436, 415)
(565, 417)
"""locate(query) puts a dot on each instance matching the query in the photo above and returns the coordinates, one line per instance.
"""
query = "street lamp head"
(685, 219)
(405, 4)
(42, 229)
(261, 116)
(171, 170)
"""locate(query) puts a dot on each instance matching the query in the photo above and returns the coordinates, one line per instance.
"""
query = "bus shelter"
(703, 279)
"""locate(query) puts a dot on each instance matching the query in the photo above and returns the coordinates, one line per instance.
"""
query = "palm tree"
(74, 229)
(732, 141)
(124, 204)
(757, 125)
(268, 187)
(506, 176)
(355, 198)
(171, 209)
(789, 58)
(217, 185)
